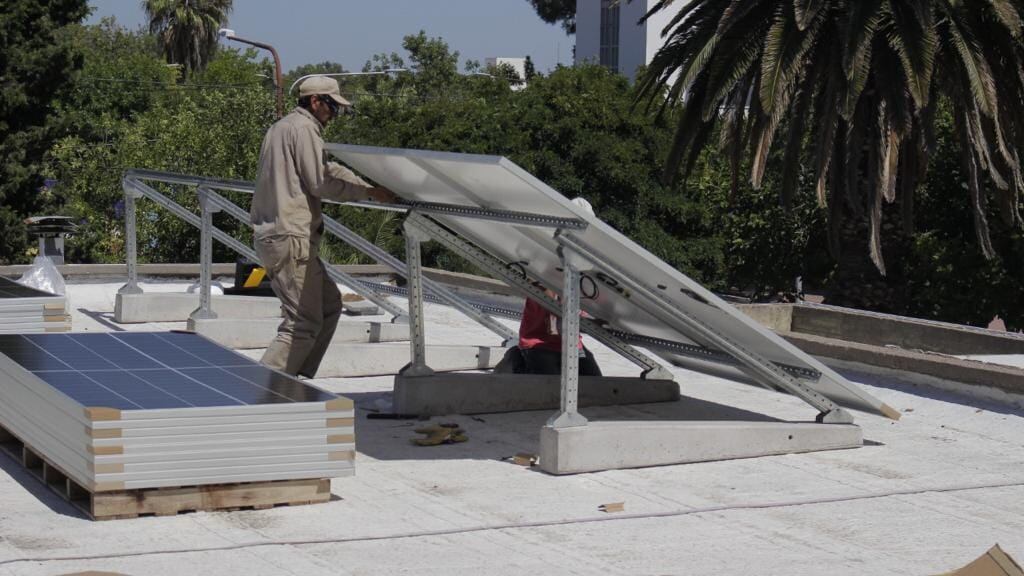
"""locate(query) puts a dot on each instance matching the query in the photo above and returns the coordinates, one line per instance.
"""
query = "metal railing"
(210, 202)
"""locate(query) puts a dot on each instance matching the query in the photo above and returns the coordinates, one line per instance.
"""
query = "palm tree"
(187, 29)
(851, 87)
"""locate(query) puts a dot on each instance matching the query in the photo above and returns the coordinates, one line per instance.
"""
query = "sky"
(351, 31)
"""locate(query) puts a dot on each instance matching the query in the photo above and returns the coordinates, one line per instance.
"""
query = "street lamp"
(278, 92)
(339, 74)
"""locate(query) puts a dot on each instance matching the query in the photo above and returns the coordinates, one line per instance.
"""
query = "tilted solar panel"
(633, 291)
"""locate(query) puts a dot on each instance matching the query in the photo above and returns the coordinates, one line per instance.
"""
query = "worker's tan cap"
(317, 85)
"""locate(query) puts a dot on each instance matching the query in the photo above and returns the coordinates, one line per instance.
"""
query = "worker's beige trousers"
(310, 303)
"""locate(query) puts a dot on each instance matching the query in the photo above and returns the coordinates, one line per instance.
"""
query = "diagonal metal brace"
(247, 251)
(656, 304)
(357, 286)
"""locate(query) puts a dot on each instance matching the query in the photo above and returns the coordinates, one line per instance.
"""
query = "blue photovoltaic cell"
(281, 384)
(115, 351)
(137, 390)
(211, 352)
(243, 390)
(162, 351)
(140, 370)
(85, 391)
(29, 355)
(195, 393)
(72, 353)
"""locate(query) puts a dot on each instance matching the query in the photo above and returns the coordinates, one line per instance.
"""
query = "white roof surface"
(932, 492)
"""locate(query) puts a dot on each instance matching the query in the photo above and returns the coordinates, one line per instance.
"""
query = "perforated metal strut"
(703, 353)
(507, 216)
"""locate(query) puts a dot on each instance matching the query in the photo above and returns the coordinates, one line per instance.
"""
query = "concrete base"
(485, 393)
(344, 359)
(614, 445)
(176, 307)
(246, 333)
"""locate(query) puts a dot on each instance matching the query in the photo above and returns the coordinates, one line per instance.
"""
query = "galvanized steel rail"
(211, 202)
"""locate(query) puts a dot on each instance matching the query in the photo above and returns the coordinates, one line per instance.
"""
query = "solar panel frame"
(496, 183)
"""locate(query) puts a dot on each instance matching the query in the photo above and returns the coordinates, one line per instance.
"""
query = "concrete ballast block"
(176, 307)
(485, 393)
(248, 333)
(346, 359)
(615, 445)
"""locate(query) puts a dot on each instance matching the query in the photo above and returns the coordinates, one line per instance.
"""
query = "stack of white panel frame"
(27, 310)
(110, 449)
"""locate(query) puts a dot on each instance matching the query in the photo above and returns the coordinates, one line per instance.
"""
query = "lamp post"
(278, 89)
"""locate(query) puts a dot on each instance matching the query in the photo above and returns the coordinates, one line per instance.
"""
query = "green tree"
(528, 69)
(37, 61)
(852, 86)
(944, 272)
(122, 76)
(211, 124)
(187, 29)
(557, 11)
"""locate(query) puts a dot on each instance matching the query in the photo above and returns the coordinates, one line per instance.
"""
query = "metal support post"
(569, 415)
(417, 337)
(130, 243)
(651, 368)
(205, 311)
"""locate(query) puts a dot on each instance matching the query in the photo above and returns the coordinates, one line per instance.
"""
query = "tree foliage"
(210, 124)
(187, 29)
(853, 86)
(37, 60)
(577, 129)
(557, 12)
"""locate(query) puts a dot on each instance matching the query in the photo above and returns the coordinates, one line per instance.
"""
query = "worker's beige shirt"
(294, 177)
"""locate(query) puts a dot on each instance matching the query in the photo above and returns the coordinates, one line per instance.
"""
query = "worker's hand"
(383, 195)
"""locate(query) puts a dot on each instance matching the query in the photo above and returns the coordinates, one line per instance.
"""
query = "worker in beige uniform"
(294, 178)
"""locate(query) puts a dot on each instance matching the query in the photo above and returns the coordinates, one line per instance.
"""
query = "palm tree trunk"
(856, 282)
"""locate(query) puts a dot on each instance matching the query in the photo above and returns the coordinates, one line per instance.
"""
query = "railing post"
(417, 338)
(130, 243)
(205, 311)
(569, 415)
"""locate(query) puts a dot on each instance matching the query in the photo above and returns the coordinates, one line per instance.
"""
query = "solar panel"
(11, 289)
(119, 411)
(632, 290)
(144, 371)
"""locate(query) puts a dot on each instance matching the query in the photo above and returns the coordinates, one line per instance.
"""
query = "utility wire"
(538, 524)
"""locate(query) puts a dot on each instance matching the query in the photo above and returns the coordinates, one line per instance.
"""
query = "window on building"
(610, 34)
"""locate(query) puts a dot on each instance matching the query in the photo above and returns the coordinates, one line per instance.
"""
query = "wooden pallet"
(164, 501)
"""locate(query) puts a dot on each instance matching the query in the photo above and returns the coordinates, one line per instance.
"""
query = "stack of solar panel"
(132, 410)
(27, 310)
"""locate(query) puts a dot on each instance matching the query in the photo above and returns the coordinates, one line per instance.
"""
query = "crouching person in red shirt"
(540, 345)
(540, 340)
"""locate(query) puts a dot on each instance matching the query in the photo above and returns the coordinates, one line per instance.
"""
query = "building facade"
(608, 33)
